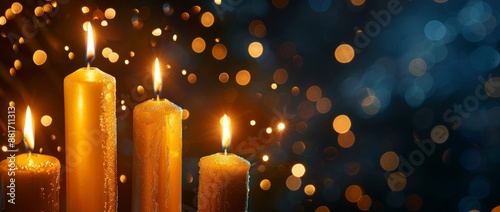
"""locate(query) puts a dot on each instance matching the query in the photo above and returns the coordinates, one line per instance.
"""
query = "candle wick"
(157, 97)
(225, 151)
(88, 66)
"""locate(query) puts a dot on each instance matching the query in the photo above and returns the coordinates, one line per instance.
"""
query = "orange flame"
(157, 78)
(90, 43)
(29, 138)
(226, 133)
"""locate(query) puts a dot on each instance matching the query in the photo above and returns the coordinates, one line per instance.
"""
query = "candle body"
(223, 183)
(90, 121)
(157, 156)
(36, 183)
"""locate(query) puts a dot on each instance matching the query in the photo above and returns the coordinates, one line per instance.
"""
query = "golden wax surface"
(33, 183)
(223, 183)
(157, 156)
(90, 130)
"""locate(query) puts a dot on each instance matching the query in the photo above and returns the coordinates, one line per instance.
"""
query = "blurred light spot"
(265, 158)
(353, 193)
(168, 9)
(265, 184)
(417, 67)
(389, 161)
(10, 15)
(471, 159)
(12, 104)
(207, 19)
(123, 178)
(484, 58)
(280, 76)
(435, 30)
(330, 153)
(39, 57)
(243, 77)
(47, 8)
(309, 189)
(66, 48)
(370, 105)
(274, 86)
(364, 203)
(192, 78)
(185, 16)
(321, 208)
(257, 28)
(479, 188)
(255, 49)
(314, 93)
(218, 2)
(298, 170)
(223, 77)
(281, 126)
(46, 120)
(110, 13)
(189, 178)
(174, 37)
(344, 53)
(252, 123)
(40, 150)
(219, 51)
(298, 147)
(346, 140)
(53, 137)
(38, 11)
(113, 57)
(357, 2)
(269, 130)
(184, 72)
(12, 72)
(396, 181)
(185, 114)
(319, 5)
(492, 87)
(496, 209)
(156, 32)
(124, 107)
(17, 65)
(4, 148)
(137, 22)
(85, 10)
(295, 90)
(140, 89)
(323, 105)
(16, 7)
(341, 124)
(3, 20)
(132, 54)
(439, 134)
(413, 202)
(126, 62)
(195, 9)
(106, 52)
(59, 149)
(261, 168)
(198, 45)
(280, 4)
(21, 40)
(293, 183)
(104, 23)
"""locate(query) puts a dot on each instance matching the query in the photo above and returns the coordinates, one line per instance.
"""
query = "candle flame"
(226, 133)
(157, 78)
(29, 139)
(90, 44)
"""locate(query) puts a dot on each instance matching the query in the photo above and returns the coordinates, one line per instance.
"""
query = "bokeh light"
(39, 57)
(341, 124)
(298, 170)
(389, 161)
(198, 45)
(344, 53)
(364, 203)
(46, 120)
(243, 77)
(314, 93)
(219, 51)
(223, 77)
(265, 184)
(293, 183)
(346, 140)
(255, 49)
(309, 189)
(353, 193)
(207, 19)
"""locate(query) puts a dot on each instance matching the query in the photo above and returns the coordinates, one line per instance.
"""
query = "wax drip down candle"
(157, 153)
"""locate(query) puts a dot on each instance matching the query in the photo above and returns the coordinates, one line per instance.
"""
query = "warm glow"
(29, 139)
(226, 133)
(157, 77)
(90, 43)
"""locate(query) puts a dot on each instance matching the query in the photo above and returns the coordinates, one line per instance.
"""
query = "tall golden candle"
(157, 153)
(90, 121)
(223, 179)
(30, 180)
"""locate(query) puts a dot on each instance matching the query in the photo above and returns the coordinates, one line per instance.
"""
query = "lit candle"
(30, 180)
(157, 150)
(90, 121)
(223, 179)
